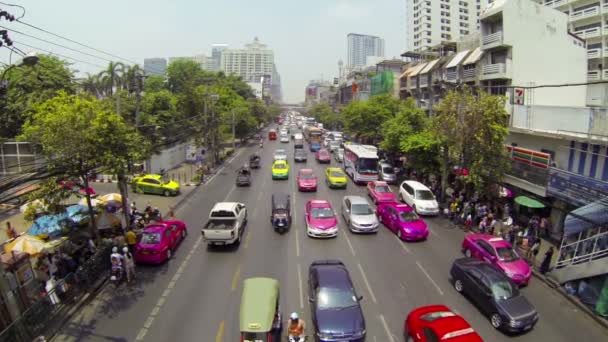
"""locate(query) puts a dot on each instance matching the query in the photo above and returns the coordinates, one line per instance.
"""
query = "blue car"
(334, 303)
(315, 146)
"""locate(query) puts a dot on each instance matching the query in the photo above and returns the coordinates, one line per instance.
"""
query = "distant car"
(76, 186)
(402, 220)
(359, 215)
(306, 180)
(437, 323)
(335, 307)
(155, 184)
(321, 220)
(335, 178)
(380, 191)
(323, 156)
(158, 241)
(315, 146)
(280, 169)
(419, 197)
(499, 252)
(333, 146)
(299, 155)
(339, 155)
(386, 172)
(284, 138)
(494, 294)
(280, 154)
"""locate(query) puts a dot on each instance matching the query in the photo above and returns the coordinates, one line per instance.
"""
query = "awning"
(408, 71)
(457, 59)
(429, 66)
(528, 202)
(473, 57)
(419, 68)
(589, 216)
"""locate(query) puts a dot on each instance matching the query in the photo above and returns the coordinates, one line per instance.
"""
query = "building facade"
(216, 56)
(361, 46)
(431, 22)
(250, 63)
(155, 66)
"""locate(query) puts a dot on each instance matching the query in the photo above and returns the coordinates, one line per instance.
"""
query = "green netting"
(382, 83)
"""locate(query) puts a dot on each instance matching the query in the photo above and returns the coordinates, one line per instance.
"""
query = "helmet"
(114, 249)
(293, 316)
(125, 250)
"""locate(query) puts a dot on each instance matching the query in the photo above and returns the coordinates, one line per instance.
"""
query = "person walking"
(11, 233)
(131, 238)
(129, 264)
(546, 264)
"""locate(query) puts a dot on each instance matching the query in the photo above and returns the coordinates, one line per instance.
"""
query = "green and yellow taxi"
(155, 184)
(280, 169)
(335, 178)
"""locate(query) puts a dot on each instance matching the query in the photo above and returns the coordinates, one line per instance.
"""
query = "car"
(284, 138)
(437, 323)
(497, 251)
(494, 294)
(419, 197)
(315, 146)
(335, 178)
(380, 191)
(359, 215)
(280, 154)
(333, 146)
(280, 169)
(321, 220)
(76, 186)
(386, 172)
(155, 184)
(307, 181)
(323, 156)
(299, 155)
(158, 241)
(402, 220)
(335, 305)
(339, 155)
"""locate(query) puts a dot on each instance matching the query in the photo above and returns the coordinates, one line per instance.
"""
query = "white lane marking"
(149, 322)
(350, 245)
(230, 192)
(386, 329)
(402, 244)
(142, 333)
(223, 167)
(300, 287)
(369, 288)
(297, 243)
(155, 311)
(428, 276)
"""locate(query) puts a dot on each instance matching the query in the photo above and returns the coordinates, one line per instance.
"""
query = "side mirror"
(360, 298)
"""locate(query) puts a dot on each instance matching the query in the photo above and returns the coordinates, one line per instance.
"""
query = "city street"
(196, 295)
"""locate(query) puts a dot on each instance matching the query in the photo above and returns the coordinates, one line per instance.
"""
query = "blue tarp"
(589, 216)
(51, 225)
(79, 214)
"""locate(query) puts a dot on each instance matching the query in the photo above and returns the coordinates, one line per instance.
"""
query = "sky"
(307, 37)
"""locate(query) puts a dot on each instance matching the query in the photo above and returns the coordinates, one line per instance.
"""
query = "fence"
(46, 315)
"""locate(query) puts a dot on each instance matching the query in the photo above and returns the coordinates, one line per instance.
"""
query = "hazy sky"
(308, 37)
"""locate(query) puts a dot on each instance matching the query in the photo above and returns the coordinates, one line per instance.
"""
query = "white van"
(298, 140)
(419, 197)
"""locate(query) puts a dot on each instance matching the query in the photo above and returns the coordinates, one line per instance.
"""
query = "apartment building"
(431, 22)
(362, 46)
(155, 66)
(250, 63)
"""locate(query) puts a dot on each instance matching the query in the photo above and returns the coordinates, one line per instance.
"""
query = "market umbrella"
(94, 202)
(27, 244)
(79, 214)
(528, 202)
(112, 199)
(51, 225)
(38, 203)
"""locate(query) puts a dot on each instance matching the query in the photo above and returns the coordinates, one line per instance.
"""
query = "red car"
(380, 191)
(76, 186)
(438, 323)
(323, 156)
(307, 181)
(158, 241)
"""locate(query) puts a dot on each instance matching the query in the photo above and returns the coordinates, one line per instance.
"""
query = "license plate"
(145, 252)
(528, 327)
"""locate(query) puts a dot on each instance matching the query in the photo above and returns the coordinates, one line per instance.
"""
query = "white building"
(257, 88)
(155, 66)
(216, 55)
(250, 63)
(361, 46)
(431, 22)
(205, 62)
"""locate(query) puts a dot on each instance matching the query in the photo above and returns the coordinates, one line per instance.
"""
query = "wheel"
(166, 193)
(238, 240)
(401, 197)
(496, 320)
(467, 253)
(169, 254)
(458, 285)
(399, 234)
(184, 233)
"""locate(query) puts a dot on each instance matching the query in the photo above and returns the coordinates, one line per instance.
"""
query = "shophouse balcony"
(469, 73)
(585, 13)
(493, 40)
(556, 3)
(594, 53)
(588, 33)
(424, 80)
(594, 75)
(451, 76)
(496, 71)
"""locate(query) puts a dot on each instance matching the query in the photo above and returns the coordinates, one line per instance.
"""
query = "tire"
(184, 234)
(458, 285)
(400, 234)
(401, 197)
(166, 193)
(467, 253)
(169, 254)
(496, 320)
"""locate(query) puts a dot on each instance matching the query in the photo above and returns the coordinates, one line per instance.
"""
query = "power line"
(60, 55)
(14, 5)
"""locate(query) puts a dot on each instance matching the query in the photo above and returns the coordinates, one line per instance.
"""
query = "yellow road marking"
(236, 277)
(220, 333)
(247, 240)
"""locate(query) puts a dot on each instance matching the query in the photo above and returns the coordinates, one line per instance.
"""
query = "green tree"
(185, 75)
(362, 118)
(111, 77)
(154, 84)
(29, 86)
(51, 194)
(324, 113)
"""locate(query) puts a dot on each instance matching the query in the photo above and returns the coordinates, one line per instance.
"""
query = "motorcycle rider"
(261, 142)
(296, 326)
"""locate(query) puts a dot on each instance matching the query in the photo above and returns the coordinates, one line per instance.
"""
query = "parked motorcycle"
(116, 275)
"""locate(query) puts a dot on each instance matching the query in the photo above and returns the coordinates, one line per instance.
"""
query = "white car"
(359, 215)
(419, 197)
(339, 155)
(280, 155)
(284, 138)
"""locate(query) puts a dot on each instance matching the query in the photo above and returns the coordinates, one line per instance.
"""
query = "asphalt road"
(196, 295)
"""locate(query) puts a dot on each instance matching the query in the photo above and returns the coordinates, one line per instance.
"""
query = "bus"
(314, 136)
(361, 162)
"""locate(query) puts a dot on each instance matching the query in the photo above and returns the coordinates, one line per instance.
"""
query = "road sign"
(518, 96)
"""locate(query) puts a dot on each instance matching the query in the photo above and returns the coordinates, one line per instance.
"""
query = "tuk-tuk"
(260, 316)
(243, 176)
(272, 134)
(254, 161)
(281, 212)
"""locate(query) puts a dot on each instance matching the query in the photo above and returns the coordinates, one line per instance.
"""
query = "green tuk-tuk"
(260, 316)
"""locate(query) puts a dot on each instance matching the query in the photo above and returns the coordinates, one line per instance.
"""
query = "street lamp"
(29, 60)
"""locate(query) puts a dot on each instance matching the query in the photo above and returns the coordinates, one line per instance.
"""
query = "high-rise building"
(155, 66)
(250, 63)
(361, 46)
(216, 55)
(431, 22)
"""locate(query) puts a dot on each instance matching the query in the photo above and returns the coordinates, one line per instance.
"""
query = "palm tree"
(112, 75)
(131, 78)
(91, 84)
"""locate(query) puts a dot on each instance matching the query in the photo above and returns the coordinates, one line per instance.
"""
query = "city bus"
(314, 136)
(361, 162)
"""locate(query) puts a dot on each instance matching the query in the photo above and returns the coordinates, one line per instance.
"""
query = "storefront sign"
(575, 189)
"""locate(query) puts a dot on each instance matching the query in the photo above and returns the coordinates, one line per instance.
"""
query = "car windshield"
(361, 209)
(280, 166)
(408, 216)
(367, 165)
(383, 188)
(506, 254)
(307, 175)
(150, 238)
(320, 213)
(389, 170)
(424, 195)
(337, 174)
(502, 290)
(323, 153)
(332, 298)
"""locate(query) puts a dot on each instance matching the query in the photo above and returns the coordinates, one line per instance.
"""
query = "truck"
(298, 140)
(226, 224)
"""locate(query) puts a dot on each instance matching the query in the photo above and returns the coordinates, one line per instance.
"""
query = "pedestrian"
(544, 227)
(546, 264)
(483, 224)
(131, 238)
(533, 251)
(491, 224)
(11, 233)
(129, 264)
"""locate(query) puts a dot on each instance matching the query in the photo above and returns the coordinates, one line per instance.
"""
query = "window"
(486, 247)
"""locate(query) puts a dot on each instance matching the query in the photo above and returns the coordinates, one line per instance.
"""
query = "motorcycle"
(116, 275)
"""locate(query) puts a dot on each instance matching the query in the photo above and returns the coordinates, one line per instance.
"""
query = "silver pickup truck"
(226, 224)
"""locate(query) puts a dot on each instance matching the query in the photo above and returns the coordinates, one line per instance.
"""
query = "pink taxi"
(321, 220)
(402, 220)
(380, 191)
(158, 241)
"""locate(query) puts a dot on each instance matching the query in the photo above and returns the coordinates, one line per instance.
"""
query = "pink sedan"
(158, 241)
(307, 181)
(323, 156)
(380, 191)
(321, 220)
(402, 220)
(495, 250)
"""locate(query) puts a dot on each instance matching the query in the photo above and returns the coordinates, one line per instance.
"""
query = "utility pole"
(139, 88)
(233, 131)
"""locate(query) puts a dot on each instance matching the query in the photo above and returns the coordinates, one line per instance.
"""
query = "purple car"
(402, 220)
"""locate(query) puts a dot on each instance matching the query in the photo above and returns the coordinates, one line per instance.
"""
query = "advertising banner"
(574, 188)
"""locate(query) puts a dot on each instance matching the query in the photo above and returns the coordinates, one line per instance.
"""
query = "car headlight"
(323, 336)
(514, 323)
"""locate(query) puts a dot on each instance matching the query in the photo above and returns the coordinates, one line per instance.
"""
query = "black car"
(334, 303)
(496, 295)
(300, 155)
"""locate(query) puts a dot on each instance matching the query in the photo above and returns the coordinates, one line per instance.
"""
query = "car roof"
(305, 171)
(320, 203)
(152, 175)
(379, 183)
(491, 239)
(224, 206)
(334, 169)
(155, 228)
(489, 271)
(332, 273)
(449, 324)
(385, 163)
(280, 162)
(356, 199)
(280, 150)
(416, 185)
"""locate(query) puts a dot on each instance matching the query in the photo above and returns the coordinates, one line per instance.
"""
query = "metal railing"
(593, 75)
(583, 249)
(491, 38)
(491, 69)
(469, 73)
(451, 75)
(585, 13)
(588, 33)
(594, 53)
(555, 3)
